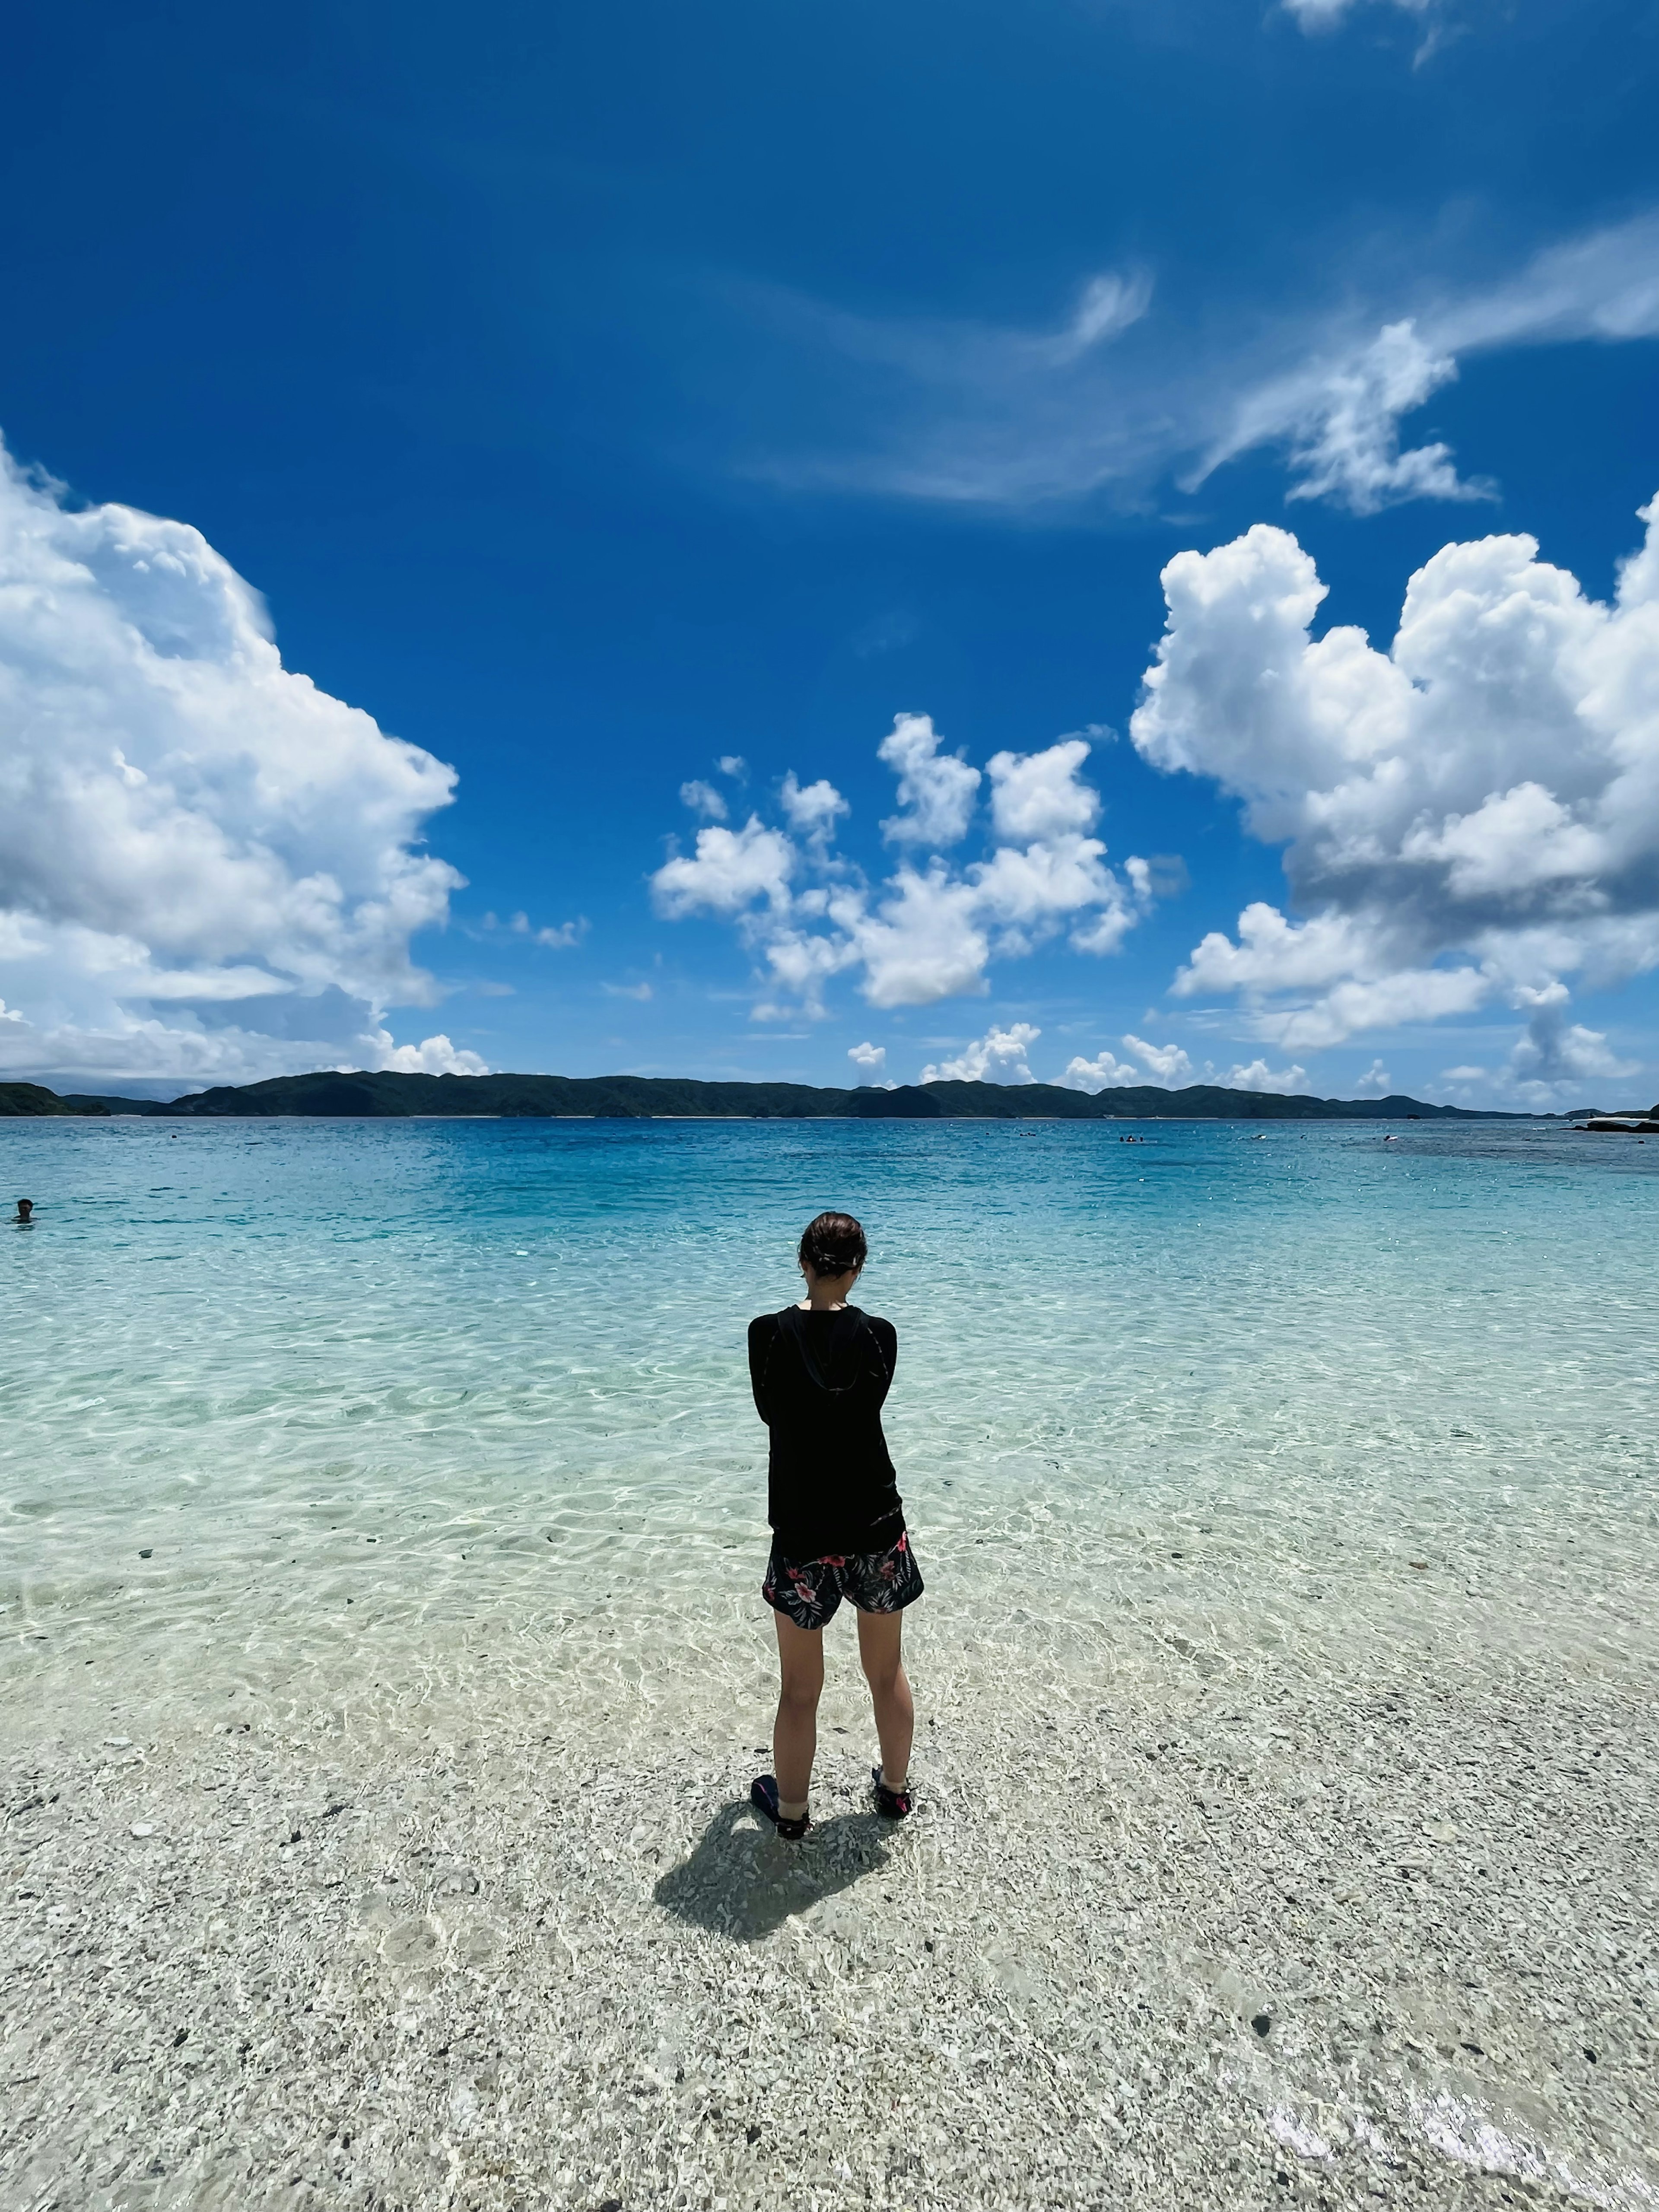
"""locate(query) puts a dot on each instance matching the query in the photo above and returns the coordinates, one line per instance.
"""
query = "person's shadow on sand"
(743, 1881)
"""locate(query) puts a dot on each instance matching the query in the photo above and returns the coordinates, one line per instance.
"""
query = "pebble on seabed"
(475, 1879)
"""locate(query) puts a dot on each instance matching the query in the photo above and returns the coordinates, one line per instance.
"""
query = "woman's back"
(820, 1378)
(821, 1371)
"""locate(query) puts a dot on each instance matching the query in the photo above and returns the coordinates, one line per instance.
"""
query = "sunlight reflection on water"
(293, 1387)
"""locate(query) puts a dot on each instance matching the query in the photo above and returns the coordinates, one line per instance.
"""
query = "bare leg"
(795, 1731)
(889, 1691)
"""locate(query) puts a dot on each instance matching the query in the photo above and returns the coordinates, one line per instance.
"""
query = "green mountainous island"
(337, 1096)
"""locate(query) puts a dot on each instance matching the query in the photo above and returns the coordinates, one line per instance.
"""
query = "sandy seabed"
(1353, 1905)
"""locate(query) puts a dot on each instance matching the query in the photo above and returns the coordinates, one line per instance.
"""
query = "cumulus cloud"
(814, 808)
(871, 1057)
(932, 929)
(436, 1056)
(1028, 890)
(1553, 1063)
(1000, 1056)
(729, 869)
(936, 791)
(1105, 1071)
(1038, 795)
(1166, 1066)
(1165, 1063)
(1375, 1082)
(211, 869)
(1554, 1056)
(1258, 1076)
(1169, 1068)
(921, 943)
(1468, 818)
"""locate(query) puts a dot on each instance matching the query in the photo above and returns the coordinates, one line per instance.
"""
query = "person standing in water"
(821, 1370)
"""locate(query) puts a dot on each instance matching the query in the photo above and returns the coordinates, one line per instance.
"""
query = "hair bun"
(833, 1244)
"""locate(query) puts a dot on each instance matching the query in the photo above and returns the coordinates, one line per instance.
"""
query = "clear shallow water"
(1291, 1497)
(357, 1388)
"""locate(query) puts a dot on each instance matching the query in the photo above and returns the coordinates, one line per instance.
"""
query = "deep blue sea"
(278, 1393)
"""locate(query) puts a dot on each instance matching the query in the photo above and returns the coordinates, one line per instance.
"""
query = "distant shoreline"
(349, 1095)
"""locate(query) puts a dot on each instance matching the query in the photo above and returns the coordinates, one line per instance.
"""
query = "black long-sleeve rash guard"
(820, 1380)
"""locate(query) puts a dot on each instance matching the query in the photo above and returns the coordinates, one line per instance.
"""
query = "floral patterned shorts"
(810, 1590)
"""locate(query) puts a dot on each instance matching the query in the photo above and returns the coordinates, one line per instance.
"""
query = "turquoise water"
(279, 1393)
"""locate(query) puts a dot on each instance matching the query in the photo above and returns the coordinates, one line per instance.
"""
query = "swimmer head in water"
(26, 1212)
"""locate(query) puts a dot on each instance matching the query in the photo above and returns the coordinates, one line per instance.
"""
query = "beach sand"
(1341, 1893)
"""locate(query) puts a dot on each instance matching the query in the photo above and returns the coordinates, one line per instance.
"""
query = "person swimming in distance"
(821, 1371)
(24, 1217)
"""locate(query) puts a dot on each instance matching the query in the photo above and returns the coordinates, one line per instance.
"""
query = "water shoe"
(891, 1804)
(763, 1796)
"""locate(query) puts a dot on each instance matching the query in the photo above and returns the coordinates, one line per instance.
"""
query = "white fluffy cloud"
(1165, 1065)
(871, 1057)
(924, 941)
(936, 790)
(728, 871)
(1468, 818)
(1258, 1076)
(812, 808)
(1169, 1068)
(1038, 795)
(435, 1055)
(211, 869)
(931, 930)
(1000, 1056)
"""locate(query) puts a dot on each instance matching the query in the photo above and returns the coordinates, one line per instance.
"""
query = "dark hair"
(833, 1244)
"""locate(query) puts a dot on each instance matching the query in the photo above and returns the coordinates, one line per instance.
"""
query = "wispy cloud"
(1326, 15)
(1337, 414)
(703, 799)
(1437, 18)
(1118, 399)
(560, 938)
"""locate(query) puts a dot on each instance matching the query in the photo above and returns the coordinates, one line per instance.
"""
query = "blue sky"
(597, 395)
